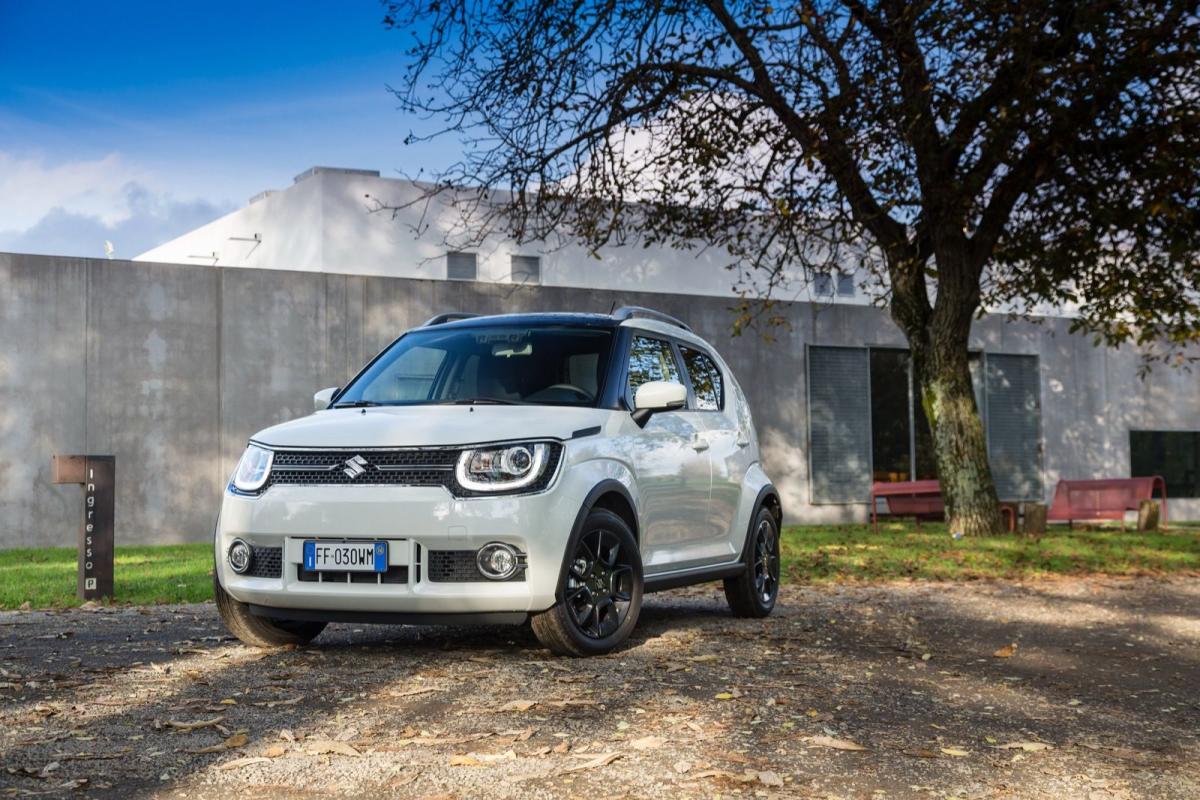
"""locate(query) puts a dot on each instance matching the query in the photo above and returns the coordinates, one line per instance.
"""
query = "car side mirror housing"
(655, 396)
(323, 398)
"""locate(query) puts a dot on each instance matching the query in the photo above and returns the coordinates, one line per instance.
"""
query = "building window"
(827, 284)
(1175, 455)
(526, 269)
(461, 266)
(866, 422)
(845, 284)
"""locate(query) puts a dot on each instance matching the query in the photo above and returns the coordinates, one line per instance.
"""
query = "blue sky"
(136, 121)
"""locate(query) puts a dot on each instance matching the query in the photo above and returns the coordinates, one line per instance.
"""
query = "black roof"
(536, 318)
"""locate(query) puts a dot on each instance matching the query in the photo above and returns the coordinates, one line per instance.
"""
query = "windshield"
(539, 365)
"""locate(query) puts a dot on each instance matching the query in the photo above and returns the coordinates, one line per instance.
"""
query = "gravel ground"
(1055, 689)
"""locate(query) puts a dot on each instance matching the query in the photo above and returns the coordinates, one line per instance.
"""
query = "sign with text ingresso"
(97, 474)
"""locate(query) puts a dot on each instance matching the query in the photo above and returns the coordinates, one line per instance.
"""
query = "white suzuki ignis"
(528, 467)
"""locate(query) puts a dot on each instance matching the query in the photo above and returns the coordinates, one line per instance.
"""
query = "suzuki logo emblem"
(355, 466)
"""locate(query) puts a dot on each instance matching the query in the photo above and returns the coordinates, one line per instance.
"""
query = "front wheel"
(601, 591)
(753, 593)
(261, 631)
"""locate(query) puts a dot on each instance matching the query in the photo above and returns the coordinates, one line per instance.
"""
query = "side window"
(650, 360)
(706, 380)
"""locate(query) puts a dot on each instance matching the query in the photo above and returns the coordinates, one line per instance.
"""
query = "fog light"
(240, 556)
(497, 561)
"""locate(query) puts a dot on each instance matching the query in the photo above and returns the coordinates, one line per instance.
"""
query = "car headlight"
(501, 469)
(254, 469)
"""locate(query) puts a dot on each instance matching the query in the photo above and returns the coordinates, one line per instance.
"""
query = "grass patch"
(45, 577)
(817, 554)
(899, 550)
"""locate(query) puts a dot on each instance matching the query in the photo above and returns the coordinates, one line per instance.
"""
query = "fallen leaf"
(647, 743)
(770, 779)
(287, 735)
(724, 696)
(518, 705)
(321, 747)
(232, 743)
(411, 692)
(194, 726)
(602, 760)
(706, 658)
(1028, 747)
(521, 735)
(835, 744)
(26, 606)
(682, 766)
(1008, 651)
(464, 761)
(921, 753)
(274, 751)
(562, 747)
(237, 763)
(955, 751)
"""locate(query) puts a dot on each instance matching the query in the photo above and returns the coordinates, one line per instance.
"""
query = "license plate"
(345, 556)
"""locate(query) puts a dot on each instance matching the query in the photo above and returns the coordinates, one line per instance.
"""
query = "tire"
(261, 631)
(600, 596)
(753, 593)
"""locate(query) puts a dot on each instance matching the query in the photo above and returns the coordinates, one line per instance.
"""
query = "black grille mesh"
(393, 575)
(457, 566)
(416, 467)
(266, 562)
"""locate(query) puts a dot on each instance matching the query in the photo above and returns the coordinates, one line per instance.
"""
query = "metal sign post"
(97, 475)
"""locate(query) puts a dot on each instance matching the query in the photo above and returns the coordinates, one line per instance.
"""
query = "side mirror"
(654, 396)
(323, 398)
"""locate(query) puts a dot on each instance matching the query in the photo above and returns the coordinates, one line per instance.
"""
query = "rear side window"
(707, 384)
(650, 360)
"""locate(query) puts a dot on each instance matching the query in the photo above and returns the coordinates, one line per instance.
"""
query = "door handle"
(743, 440)
(699, 443)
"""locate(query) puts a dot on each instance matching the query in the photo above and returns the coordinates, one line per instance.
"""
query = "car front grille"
(393, 575)
(457, 566)
(401, 467)
(266, 562)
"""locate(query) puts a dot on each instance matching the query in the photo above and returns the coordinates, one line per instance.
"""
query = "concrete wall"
(172, 367)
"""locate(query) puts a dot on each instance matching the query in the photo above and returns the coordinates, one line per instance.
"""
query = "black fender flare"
(599, 490)
(767, 491)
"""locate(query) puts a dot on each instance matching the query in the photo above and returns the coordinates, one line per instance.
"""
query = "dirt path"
(1099, 699)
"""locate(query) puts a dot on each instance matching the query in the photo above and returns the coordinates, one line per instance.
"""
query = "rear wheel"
(601, 593)
(261, 631)
(753, 593)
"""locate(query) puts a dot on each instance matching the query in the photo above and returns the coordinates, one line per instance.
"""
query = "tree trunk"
(943, 372)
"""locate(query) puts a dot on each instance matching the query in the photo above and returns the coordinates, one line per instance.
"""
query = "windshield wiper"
(357, 404)
(470, 401)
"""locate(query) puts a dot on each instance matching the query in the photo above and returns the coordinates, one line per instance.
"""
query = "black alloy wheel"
(600, 591)
(754, 592)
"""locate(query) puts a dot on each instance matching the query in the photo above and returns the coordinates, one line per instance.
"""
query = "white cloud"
(73, 207)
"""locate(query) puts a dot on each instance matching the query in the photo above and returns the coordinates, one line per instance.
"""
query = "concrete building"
(333, 220)
(171, 367)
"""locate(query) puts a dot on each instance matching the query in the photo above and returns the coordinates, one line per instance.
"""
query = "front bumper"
(413, 521)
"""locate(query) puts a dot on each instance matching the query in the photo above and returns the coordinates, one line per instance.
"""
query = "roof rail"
(449, 316)
(629, 312)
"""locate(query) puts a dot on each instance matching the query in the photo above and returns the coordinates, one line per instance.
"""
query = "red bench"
(1107, 499)
(919, 499)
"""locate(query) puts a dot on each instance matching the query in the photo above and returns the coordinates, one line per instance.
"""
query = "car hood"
(430, 426)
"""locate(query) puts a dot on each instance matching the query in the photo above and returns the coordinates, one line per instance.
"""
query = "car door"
(716, 411)
(670, 460)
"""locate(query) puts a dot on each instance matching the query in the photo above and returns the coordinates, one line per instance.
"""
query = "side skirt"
(674, 580)
(390, 618)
